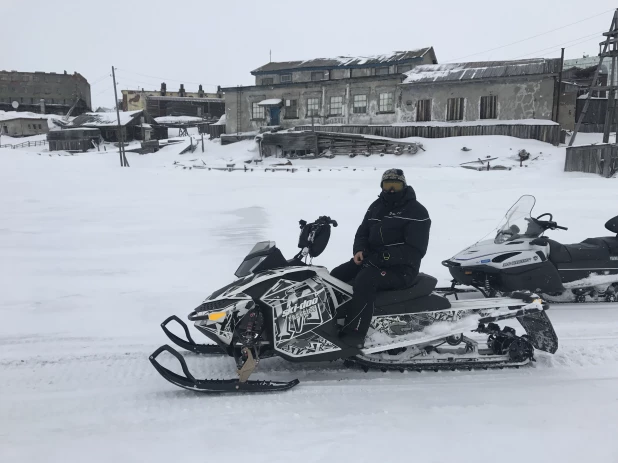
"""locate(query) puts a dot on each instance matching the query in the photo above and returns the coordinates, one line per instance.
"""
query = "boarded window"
(257, 111)
(313, 106)
(267, 81)
(423, 111)
(286, 77)
(336, 106)
(386, 102)
(319, 75)
(455, 109)
(291, 109)
(489, 107)
(383, 71)
(360, 104)
(404, 68)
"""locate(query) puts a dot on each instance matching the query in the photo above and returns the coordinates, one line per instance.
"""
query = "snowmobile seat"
(581, 252)
(609, 242)
(399, 301)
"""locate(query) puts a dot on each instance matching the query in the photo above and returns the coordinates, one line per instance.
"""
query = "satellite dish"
(15, 104)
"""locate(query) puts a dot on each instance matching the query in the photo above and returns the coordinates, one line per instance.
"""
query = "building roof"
(185, 99)
(104, 119)
(456, 72)
(12, 115)
(344, 61)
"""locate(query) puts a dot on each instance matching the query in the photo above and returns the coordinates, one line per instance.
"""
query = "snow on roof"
(481, 70)
(104, 119)
(344, 61)
(270, 102)
(10, 115)
(177, 119)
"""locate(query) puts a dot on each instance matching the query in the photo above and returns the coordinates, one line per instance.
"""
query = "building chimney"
(65, 73)
(163, 89)
(42, 106)
(181, 92)
(200, 91)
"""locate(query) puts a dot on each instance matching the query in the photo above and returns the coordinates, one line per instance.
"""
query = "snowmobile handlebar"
(548, 224)
(322, 220)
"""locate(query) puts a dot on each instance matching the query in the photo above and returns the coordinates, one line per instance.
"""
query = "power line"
(531, 37)
(98, 80)
(569, 43)
(166, 78)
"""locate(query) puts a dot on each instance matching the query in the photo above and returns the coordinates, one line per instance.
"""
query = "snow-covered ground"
(94, 257)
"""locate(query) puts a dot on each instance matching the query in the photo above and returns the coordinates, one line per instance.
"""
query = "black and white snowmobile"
(293, 310)
(520, 258)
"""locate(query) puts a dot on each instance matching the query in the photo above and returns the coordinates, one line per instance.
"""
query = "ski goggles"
(392, 185)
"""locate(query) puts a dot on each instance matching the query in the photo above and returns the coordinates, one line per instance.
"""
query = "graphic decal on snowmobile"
(315, 345)
(299, 307)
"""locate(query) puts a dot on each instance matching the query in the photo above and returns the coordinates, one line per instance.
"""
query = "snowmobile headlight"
(216, 316)
(538, 301)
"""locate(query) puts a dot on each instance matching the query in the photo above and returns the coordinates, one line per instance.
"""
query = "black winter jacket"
(395, 234)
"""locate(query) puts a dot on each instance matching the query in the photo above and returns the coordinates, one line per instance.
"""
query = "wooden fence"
(545, 133)
(599, 159)
(215, 131)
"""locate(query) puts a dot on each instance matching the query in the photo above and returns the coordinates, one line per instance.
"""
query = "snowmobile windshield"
(518, 223)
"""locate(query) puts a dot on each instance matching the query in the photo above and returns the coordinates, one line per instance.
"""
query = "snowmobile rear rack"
(189, 344)
(212, 385)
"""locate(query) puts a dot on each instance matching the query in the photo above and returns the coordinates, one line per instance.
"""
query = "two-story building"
(343, 90)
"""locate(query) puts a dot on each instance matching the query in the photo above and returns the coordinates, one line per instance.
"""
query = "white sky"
(220, 42)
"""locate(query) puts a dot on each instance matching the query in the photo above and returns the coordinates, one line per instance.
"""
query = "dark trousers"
(368, 280)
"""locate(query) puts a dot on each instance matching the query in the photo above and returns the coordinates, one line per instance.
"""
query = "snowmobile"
(293, 309)
(521, 258)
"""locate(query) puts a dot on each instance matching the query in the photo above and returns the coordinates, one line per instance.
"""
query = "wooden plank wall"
(599, 159)
(545, 133)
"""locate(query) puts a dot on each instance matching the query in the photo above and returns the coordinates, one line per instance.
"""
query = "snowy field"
(94, 257)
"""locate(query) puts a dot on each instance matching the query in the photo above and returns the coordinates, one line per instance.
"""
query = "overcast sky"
(208, 42)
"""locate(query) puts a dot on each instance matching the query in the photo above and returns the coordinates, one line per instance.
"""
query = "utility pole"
(559, 87)
(123, 158)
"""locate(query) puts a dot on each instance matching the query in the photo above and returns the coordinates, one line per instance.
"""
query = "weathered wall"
(517, 99)
(24, 127)
(28, 88)
(323, 90)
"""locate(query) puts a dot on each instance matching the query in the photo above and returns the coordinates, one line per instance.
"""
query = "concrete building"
(22, 124)
(42, 92)
(343, 90)
(159, 103)
(496, 90)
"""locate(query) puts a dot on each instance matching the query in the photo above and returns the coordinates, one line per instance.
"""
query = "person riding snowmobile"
(388, 248)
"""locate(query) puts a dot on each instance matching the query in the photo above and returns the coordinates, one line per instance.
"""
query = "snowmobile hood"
(483, 251)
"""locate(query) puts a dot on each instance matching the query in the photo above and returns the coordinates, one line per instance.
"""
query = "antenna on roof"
(270, 56)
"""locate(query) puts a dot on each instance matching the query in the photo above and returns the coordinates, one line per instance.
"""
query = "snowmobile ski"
(213, 385)
(189, 344)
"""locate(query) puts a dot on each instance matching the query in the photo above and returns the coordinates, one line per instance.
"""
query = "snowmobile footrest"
(189, 344)
(212, 385)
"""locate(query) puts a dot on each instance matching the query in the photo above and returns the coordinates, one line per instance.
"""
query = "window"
(423, 111)
(286, 77)
(404, 68)
(336, 106)
(386, 102)
(291, 109)
(257, 111)
(29, 126)
(489, 107)
(36, 78)
(360, 104)
(25, 79)
(455, 109)
(313, 106)
(383, 71)
(267, 81)
(40, 128)
(317, 75)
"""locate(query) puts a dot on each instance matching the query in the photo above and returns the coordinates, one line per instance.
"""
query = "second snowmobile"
(293, 310)
(521, 258)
